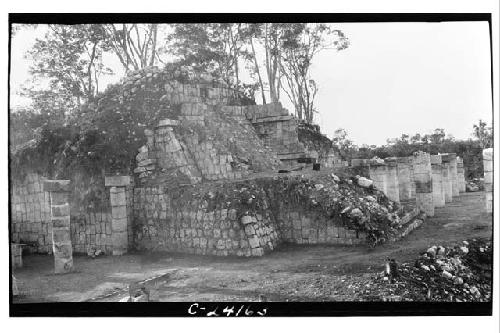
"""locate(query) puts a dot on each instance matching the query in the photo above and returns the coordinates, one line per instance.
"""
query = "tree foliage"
(135, 45)
(302, 43)
(69, 59)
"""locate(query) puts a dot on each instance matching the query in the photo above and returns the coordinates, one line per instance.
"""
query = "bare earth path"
(292, 273)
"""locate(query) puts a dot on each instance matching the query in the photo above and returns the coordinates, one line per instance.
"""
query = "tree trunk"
(153, 45)
(258, 72)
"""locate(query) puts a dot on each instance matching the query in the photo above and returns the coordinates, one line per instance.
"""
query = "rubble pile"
(474, 185)
(460, 273)
(350, 199)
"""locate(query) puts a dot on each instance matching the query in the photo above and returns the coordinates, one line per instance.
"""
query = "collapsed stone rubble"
(462, 272)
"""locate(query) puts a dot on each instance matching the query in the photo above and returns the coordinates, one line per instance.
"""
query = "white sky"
(394, 78)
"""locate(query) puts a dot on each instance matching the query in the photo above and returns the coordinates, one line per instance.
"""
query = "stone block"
(247, 219)
(119, 224)
(119, 212)
(61, 235)
(57, 185)
(258, 252)
(119, 180)
(60, 210)
(254, 242)
(118, 199)
(63, 265)
(58, 198)
(168, 122)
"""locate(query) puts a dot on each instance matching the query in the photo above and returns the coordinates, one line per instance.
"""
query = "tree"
(215, 48)
(484, 134)
(70, 58)
(301, 42)
(342, 142)
(135, 45)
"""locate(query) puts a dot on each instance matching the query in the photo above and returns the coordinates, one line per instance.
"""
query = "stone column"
(378, 173)
(60, 217)
(488, 178)
(454, 174)
(438, 195)
(392, 178)
(119, 217)
(461, 175)
(16, 255)
(446, 177)
(404, 179)
(413, 190)
(423, 182)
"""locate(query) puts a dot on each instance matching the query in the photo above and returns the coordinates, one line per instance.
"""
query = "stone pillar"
(378, 173)
(392, 179)
(438, 195)
(454, 174)
(413, 190)
(423, 182)
(16, 255)
(461, 175)
(60, 217)
(404, 179)
(446, 177)
(488, 178)
(119, 216)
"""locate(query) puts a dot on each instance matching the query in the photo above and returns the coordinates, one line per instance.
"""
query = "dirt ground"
(291, 273)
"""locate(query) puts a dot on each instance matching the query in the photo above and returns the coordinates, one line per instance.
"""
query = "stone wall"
(305, 227)
(30, 213)
(219, 143)
(180, 220)
(30, 219)
(277, 129)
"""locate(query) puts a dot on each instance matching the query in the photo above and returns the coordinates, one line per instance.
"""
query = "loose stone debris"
(459, 273)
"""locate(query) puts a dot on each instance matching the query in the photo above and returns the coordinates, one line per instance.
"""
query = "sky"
(394, 78)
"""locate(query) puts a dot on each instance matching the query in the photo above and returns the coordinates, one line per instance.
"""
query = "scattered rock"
(365, 182)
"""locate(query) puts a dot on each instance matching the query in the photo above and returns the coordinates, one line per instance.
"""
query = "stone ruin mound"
(202, 177)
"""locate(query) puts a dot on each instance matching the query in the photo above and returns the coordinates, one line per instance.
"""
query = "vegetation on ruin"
(340, 200)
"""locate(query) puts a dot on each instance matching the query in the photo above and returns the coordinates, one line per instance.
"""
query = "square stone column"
(413, 190)
(454, 174)
(404, 181)
(423, 182)
(119, 216)
(392, 179)
(378, 173)
(60, 217)
(460, 174)
(447, 180)
(16, 255)
(438, 195)
(488, 178)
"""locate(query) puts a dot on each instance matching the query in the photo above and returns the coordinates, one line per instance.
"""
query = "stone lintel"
(376, 164)
(290, 156)
(117, 180)
(391, 161)
(56, 185)
(168, 122)
(272, 119)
